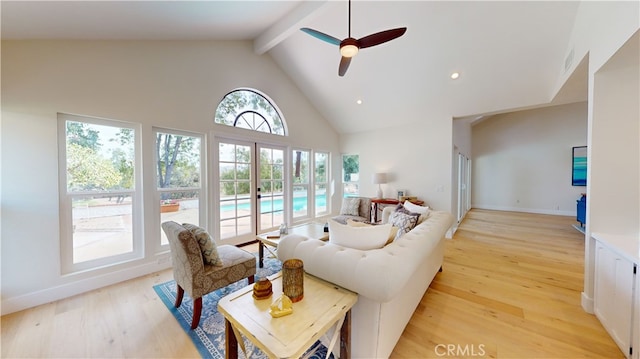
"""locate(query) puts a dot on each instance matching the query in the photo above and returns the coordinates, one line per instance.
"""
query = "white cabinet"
(617, 296)
(635, 331)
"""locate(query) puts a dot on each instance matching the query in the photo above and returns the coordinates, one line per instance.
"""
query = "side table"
(324, 306)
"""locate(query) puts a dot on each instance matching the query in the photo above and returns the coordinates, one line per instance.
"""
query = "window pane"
(99, 158)
(243, 154)
(350, 175)
(300, 200)
(250, 110)
(102, 226)
(300, 167)
(243, 171)
(226, 152)
(321, 160)
(350, 189)
(178, 161)
(321, 198)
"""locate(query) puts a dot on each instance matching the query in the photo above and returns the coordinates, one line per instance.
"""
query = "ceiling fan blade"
(381, 37)
(344, 65)
(322, 36)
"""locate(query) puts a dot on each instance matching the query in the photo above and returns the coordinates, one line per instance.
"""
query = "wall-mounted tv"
(579, 166)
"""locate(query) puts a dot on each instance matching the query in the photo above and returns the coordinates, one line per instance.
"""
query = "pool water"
(299, 203)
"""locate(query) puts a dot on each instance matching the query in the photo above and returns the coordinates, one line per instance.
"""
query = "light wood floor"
(510, 289)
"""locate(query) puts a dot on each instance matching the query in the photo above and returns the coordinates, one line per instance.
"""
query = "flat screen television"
(579, 166)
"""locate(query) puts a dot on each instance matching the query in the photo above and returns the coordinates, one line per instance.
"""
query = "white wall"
(615, 155)
(155, 83)
(600, 29)
(522, 160)
(416, 157)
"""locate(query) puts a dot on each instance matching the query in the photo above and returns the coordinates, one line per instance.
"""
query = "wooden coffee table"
(324, 306)
(272, 239)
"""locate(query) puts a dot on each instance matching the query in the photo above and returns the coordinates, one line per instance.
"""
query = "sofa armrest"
(386, 212)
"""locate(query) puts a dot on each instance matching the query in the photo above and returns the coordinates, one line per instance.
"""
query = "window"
(98, 192)
(321, 183)
(178, 166)
(300, 188)
(248, 109)
(350, 175)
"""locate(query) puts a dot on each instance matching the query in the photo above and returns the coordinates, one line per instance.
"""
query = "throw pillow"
(207, 247)
(423, 210)
(350, 206)
(404, 221)
(415, 208)
(363, 238)
(392, 233)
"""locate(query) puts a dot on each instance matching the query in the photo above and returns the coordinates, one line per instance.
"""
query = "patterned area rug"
(209, 335)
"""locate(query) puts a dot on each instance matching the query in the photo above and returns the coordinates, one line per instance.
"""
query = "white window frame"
(202, 195)
(66, 199)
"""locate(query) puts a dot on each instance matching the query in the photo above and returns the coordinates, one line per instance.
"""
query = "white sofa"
(390, 281)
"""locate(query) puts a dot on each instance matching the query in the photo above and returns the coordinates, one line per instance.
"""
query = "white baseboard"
(525, 210)
(29, 300)
(587, 303)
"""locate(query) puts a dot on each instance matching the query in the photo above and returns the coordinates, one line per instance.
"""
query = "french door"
(251, 196)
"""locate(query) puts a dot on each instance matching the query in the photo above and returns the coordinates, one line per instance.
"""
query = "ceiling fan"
(349, 47)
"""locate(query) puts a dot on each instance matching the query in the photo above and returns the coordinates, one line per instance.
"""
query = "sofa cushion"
(363, 238)
(392, 233)
(404, 220)
(350, 206)
(207, 247)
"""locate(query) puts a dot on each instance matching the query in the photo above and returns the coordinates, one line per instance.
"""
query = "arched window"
(248, 109)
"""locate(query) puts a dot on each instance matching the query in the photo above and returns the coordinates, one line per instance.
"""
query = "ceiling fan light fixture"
(349, 47)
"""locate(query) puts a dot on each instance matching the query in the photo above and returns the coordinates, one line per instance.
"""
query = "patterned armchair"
(197, 278)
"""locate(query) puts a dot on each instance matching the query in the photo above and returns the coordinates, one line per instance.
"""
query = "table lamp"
(379, 179)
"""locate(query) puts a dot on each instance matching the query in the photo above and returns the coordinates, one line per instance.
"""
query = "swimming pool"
(268, 205)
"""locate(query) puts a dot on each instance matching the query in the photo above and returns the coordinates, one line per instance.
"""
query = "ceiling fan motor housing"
(349, 47)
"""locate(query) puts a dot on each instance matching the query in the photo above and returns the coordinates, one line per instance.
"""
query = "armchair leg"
(197, 311)
(179, 295)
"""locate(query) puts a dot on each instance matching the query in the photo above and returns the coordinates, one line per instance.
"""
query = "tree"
(350, 165)
(178, 163)
(81, 134)
(86, 170)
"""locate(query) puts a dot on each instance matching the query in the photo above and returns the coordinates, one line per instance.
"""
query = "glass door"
(252, 196)
(271, 187)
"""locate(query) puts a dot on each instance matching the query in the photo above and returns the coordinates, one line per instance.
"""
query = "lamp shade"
(379, 178)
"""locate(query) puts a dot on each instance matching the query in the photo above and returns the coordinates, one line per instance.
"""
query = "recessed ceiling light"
(359, 102)
(455, 75)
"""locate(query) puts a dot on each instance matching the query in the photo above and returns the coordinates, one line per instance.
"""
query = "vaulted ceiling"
(509, 54)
